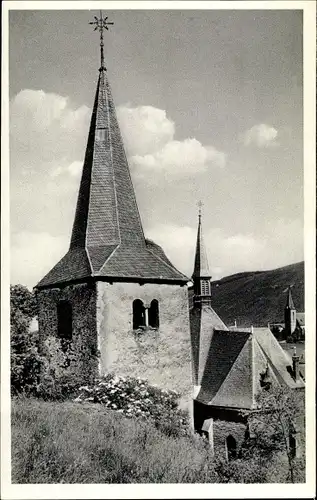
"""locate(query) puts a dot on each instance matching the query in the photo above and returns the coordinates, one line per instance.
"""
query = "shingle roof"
(201, 267)
(203, 322)
(234, 365)
(107, 238)
(289, 301)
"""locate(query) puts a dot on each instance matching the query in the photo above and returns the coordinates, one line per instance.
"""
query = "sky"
(210, 105)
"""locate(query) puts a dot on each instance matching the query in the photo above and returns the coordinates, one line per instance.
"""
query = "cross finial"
(200, 205)
(101, 24)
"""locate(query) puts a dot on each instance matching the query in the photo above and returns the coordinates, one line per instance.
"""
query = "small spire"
(201, 267)
(101, 24)
(290, 303)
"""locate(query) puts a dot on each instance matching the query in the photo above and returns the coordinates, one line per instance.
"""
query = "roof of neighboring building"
(203, 323)
(107, 238)
(300, 317)
(235, 362)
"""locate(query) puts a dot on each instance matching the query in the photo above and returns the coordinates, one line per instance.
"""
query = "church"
(116, 294)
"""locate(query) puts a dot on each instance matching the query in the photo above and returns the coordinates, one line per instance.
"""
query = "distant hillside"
(258, 297)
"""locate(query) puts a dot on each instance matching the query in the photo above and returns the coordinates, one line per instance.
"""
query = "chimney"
(295, 359)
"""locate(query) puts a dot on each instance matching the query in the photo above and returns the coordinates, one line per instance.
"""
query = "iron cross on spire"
(101, 24)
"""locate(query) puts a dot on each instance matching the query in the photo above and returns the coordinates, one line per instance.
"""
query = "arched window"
(65, 322)
(138, 314)
(231, 447)
(154, 314)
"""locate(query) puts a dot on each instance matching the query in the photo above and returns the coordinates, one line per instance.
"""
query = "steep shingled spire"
(201, 275)
(201, 268)
(289, 301)
(107, 237)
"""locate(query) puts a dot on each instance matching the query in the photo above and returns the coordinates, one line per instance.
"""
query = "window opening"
(138, 310)
(65, 322)
(154, 314)
(292, 446)
(231, 447)
(102, 134)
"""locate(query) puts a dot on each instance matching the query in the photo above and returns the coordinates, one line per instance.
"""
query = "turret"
(201, 276)
(289, 314)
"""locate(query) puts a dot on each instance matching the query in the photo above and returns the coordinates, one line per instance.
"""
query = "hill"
(258, 297)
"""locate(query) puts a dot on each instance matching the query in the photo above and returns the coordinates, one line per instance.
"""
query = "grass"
(84, 443)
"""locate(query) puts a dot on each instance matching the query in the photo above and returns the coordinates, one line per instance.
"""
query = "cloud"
(44, 129)
(34, 254)
(262, 136)
(232, 253)
(180, 158)
(149, 139)
(73, 170)
(145, 129)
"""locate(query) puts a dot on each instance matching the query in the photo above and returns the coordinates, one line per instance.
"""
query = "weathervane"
(101, 24)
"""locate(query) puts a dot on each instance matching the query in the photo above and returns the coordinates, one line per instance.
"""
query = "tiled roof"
(107, 238)
(201, 267)
(234, 366)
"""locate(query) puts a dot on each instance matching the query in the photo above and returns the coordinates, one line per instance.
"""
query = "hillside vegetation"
(258, 297)
(54, 442)
(69, 442)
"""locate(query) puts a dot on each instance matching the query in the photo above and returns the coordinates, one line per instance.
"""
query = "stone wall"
(84, 339)
(162, 356)
(223, 429)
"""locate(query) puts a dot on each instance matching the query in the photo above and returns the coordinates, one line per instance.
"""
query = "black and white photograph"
(158, 246)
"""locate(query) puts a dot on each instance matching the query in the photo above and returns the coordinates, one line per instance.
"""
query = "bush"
(135, 397)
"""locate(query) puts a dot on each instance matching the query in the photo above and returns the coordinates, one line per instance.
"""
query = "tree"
(26, 363)
(276, 430)
(22, 301)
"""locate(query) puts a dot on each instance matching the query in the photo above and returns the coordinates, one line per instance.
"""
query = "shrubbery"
(26, 362)
(135, 397)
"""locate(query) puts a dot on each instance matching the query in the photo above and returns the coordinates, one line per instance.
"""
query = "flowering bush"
(135, 397)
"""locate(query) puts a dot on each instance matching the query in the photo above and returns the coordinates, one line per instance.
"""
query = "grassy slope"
(84, 443)
(258, 297)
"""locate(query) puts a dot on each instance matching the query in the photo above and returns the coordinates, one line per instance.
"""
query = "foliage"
(26, 363)
(135, 397)
(267, 455)
(22, 301)
(64, 442)
(66, 370)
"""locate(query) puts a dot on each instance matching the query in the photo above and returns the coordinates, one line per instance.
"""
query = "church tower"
(115, 292)
(289, 315)
(203, 319)
(201, 276)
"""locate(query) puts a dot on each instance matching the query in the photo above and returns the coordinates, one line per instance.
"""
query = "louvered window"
(205, 287)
